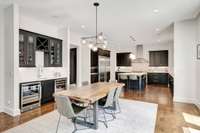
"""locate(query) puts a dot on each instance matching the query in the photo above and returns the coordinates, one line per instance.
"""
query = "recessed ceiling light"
(157, 29)
(55, 16)
(83, 26)
(158, 40)
(155, 10)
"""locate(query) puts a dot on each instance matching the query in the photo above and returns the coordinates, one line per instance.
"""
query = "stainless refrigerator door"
(104, 67)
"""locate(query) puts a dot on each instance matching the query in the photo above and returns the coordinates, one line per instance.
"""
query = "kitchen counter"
(140, 83)
(132, 73)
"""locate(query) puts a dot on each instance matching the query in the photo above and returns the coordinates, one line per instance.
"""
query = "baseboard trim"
(11, 112)
(1, 109)
(184, 100)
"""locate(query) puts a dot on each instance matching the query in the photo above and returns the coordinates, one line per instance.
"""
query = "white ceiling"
(118, 19)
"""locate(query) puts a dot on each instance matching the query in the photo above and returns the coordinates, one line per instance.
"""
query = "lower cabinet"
(94, 78)
(48, 89)
(171, 84)
(158, 78)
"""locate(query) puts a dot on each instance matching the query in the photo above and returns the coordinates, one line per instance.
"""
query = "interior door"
(73, 65)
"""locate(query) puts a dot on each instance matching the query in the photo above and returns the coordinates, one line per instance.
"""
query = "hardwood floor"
(169, 116)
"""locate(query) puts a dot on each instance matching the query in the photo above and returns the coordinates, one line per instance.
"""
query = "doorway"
(73, 65)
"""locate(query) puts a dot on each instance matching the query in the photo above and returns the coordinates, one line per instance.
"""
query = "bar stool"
(133, 82)
(124, 79)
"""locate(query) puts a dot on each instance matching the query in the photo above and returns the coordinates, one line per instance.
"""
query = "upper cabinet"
(26, 49)
(55, 54)
(94, 59)
(123, 59)
(30, 42)
(158, 58)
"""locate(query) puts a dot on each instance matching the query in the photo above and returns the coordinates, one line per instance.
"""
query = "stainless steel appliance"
(104, 68)
(60, 84)
(30, 96)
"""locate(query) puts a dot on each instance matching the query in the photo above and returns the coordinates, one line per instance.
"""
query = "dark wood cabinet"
(48, 89)
(158, 78)
(30, 42)
(108, 76)
(123, 59)
(94, 78)
(94, 59)
(26, 49)
(158, 58)
(54, 55)
(73, 65)
(171, 84)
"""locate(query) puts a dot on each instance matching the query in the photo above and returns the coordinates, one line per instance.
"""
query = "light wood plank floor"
(169, 117)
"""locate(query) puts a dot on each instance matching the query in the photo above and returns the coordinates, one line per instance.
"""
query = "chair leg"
(75, 127)
(105, 122)
(113, 114)
(58, 123)
(118, 106)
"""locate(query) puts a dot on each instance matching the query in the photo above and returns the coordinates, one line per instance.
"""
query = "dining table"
(91, 94)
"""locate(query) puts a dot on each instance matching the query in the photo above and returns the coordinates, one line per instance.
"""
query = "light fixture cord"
(96, 25)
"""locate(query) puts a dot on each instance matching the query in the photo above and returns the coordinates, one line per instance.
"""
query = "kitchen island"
(141, 78)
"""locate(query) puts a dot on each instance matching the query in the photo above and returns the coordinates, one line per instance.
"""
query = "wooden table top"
(90, 93)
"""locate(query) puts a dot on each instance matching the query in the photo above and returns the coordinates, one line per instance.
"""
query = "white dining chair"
(69, 110)
(107, 103)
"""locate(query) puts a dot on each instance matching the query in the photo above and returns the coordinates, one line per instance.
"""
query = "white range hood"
(140, 55)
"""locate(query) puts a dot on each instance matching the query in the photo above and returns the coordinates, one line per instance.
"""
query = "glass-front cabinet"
(30, 42)
(55, 53)
(26, 49)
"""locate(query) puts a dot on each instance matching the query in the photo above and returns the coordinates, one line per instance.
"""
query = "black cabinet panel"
(158, 58)
(158, 78)
(94, 78)
(73, 65)
(48, 89)
(94, 59)
(123, 59)
(171, 84)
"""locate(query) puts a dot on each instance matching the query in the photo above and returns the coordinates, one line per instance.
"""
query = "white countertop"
(133, 73)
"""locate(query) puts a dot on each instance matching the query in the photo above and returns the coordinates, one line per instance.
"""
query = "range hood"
(139, 55)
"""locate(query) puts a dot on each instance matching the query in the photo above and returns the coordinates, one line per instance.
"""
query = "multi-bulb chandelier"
(97, 41)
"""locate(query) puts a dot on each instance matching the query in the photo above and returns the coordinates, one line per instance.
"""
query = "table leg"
(95, 115)
(140, 83)
(94, 123)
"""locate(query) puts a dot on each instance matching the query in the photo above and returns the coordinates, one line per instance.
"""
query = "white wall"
(1, 59)
(198, 65)
(112, 65)
(86, 64)
(11, 31)
(184, 61)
